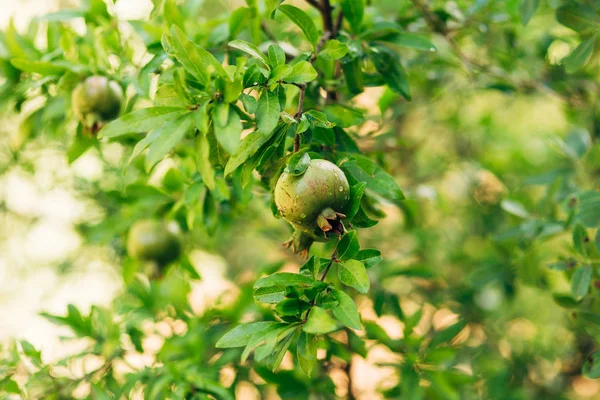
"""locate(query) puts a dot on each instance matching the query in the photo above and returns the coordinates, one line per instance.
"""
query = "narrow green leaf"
(354, 11)
(363, 169)
(276, 56)
(241, 335)
(143, 120)
(270, 294)
(249, 147)
(284, 279)
(170, 135)
(45, 68)
(528, 8)
(578, 16)
(306, 352)
(353, 273)
(446, 335)
(267, 111)
(354, 76)
(410, 40)
(580, 56)
(228, 127)
(348, 246)
(346, 311)
(388, 65)
(205, 168)
(250, 49)
(580, 281)
(303, 21)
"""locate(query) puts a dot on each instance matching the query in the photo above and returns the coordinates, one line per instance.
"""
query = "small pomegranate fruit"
(96, 101)
(313, 202)
(152, 240)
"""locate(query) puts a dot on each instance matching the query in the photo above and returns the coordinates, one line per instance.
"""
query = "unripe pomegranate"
(96, 101)
(313, 202)
(153, 240)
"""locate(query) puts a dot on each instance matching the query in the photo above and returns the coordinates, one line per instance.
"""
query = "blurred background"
(473, 155)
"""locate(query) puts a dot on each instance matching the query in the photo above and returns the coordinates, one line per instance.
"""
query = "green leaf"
(317, 118)
(353, 273)
(44, 68)
(346, 311)
(202, 158)
(515, 208)
(588, 209)
(291, 307)
(241, 335)
(30, 351)
(369, 257)
(303, 21)
(580, 56)
(249, 147)
(284, 279)
(580, 281)
(580, 238)
(249, 103)
(354, 11)
(446, 335)
(528, 8)
(578, 16)
(276, 56)
(306, 352)
(228, 127)
(333, 50)
(591, 367)
(298, 163)
(79, 146)
(354, 76)
(388, 65)
(237, 20)
(356, 193)
(301, 73)
(279, 73)
(170, 135)
(343, 116)
(348, 246)
(270, 294)
(363, 169)
(319, 322)
(197, 54)
(267, 111)
(278, 353)
(410, 40)
(250, 49)
(143, 120)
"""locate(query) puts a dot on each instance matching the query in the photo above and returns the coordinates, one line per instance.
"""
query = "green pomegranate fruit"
(96, 101)
(152, 240)
(313, 202)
